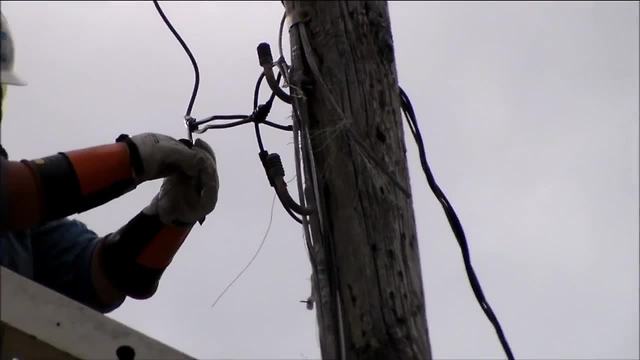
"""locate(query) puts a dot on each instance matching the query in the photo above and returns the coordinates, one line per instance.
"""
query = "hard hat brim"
(9, 78)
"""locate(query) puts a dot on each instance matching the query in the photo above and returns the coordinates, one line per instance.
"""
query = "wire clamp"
(190, 123)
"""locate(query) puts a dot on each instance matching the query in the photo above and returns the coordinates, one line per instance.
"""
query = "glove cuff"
(134, 154)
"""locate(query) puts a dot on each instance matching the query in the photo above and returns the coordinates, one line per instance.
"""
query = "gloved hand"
(157, 156)
(189, 196)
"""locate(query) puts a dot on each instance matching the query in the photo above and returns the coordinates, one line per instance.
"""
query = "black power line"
(196, 82)
(456, 226)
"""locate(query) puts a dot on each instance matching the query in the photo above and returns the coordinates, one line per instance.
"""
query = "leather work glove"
(135, 256)
(158, 156)
(187, 197)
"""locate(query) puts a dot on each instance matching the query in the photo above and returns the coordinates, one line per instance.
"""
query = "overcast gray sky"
(530, 117)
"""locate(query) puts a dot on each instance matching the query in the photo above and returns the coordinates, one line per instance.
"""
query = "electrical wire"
(242, 119)
(253, 258)
(256, 91)
(224, 126)
(268, 104)
(256, 99)
(277, 126)
(290, 212)
(280, 31)
(454, 221)
(245, 119)
(194, 63)
(220, 117)
(255, 255)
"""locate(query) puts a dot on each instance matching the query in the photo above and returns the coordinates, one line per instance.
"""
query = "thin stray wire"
(454, 222)
(196, 82)
(255, 255)
(280, 31)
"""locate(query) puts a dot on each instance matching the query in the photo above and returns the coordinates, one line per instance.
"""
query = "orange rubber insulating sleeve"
(160, 251)
(99, 167)
(23, 196)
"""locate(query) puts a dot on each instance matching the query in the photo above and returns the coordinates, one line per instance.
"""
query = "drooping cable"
(454, 221)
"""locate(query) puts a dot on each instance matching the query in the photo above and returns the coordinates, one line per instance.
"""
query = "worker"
(38, 241)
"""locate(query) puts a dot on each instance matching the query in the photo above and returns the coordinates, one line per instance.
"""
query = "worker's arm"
(98, 271)
(34, 192)
(53, 187)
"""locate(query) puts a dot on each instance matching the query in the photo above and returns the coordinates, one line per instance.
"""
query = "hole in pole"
(125, 352)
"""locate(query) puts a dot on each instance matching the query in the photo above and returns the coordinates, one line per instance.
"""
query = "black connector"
(272, 166)
(261, 113)
(275, 173)
(264, 55)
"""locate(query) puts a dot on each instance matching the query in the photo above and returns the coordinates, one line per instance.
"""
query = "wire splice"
(275, 173)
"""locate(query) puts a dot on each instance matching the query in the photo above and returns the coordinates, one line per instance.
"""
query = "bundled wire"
(266, 107)
(272, 162)
(452, 217)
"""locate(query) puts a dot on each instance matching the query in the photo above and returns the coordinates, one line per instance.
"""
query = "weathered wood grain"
(369, 237)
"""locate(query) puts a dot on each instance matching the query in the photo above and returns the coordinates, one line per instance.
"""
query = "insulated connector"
(272, 166)
(266, 62)
(264, 54)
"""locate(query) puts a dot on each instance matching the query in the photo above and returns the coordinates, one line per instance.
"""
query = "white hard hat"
(7, 75)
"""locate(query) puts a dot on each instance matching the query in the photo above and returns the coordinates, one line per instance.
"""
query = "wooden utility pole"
(367, 277)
